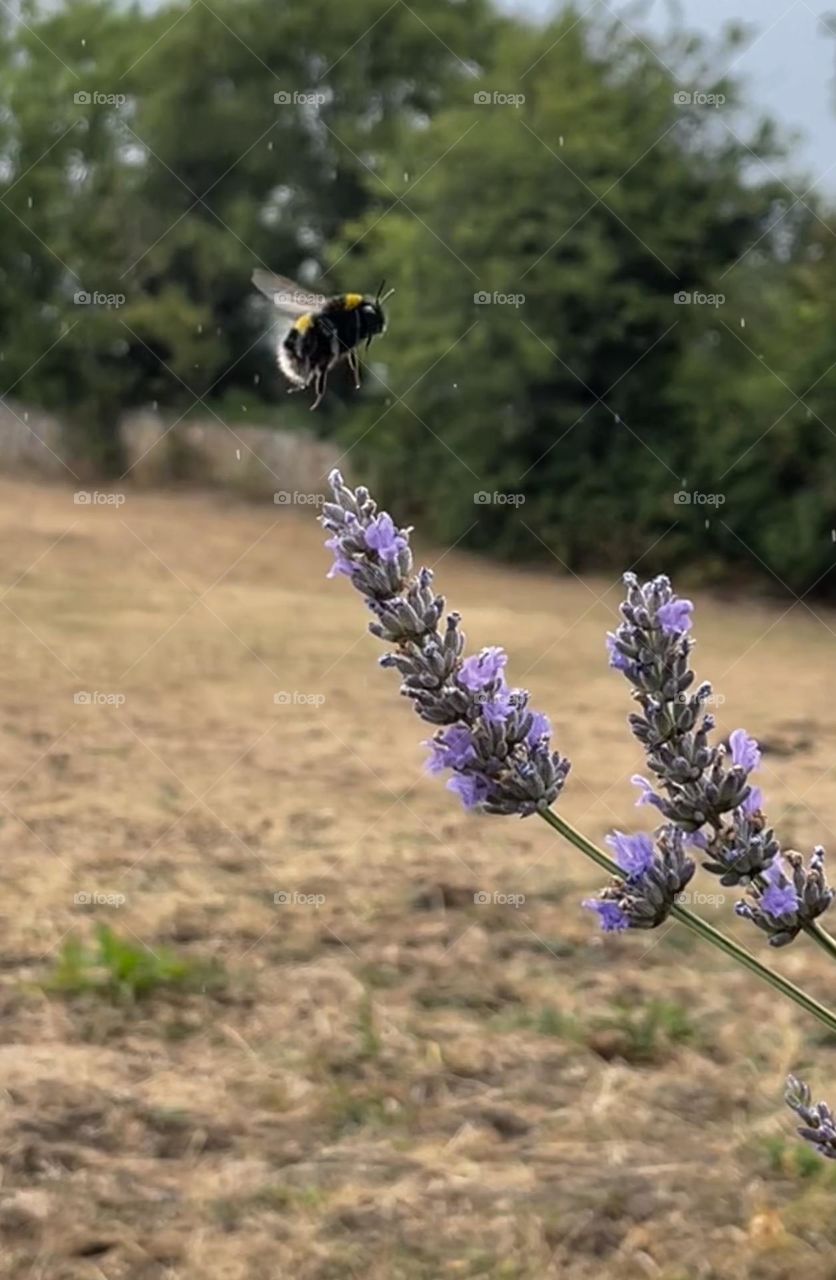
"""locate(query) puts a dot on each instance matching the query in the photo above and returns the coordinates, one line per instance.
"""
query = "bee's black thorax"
(319, 340)
(354, 319)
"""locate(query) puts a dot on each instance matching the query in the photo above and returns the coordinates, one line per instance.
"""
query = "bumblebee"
(321, 331)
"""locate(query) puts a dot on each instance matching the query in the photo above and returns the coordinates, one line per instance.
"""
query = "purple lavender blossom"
(483, 669)
(674, 617)
(634, 854)
(342, 564)
(787, 897)
(655, 874)
(541, 728)
(471, 788)
(697, 785)
(498, 750)
(610, 916)
(704, 790)
(646, 793)
(452, 748)
(745, 752)
(753, 802)
(617, 659)
(380, 535)
(498, 705)
(779, 898)
(819, 1127)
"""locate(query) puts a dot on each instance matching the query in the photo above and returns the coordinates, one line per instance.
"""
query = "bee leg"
(354, 366)
(321, 382)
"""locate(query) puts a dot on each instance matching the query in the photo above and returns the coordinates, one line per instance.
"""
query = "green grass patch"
(122, 969)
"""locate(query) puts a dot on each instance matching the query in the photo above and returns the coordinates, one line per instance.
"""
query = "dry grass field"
(300, 1049)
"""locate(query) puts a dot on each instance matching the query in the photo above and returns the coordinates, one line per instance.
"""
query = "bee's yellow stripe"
(352, 301)
(303, 324)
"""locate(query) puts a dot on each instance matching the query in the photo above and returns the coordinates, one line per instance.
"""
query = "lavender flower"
(651, 647)
(610, 916)
(743, 849)
(745, 752)
(654, 877)
(781, 904)
(380, 535)
(484, 670)
(819, 1128)
(674, 617)
(499, 752)
(634, 854)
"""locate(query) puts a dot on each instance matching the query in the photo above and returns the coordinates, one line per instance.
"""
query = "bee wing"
(288, 297)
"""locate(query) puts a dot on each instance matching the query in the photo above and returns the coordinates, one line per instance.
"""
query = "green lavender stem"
(820, 936)
(708, 932)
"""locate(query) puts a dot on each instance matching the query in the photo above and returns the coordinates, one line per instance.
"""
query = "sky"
(788, 66)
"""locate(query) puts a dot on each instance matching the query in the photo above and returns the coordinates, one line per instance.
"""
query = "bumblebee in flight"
(322, 331)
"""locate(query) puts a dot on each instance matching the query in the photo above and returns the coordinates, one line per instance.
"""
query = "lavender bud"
(819, 1127)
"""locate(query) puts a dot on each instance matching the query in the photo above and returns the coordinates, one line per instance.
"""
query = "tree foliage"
(541, 197)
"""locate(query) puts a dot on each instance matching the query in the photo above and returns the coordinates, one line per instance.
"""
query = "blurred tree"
(160, 156)
(760, 392)
(598, 200)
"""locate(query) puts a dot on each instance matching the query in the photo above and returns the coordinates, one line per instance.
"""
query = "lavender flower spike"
(654, 879)
(498, 751)
(819, 1127)
(780, 904)
(651, 647)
